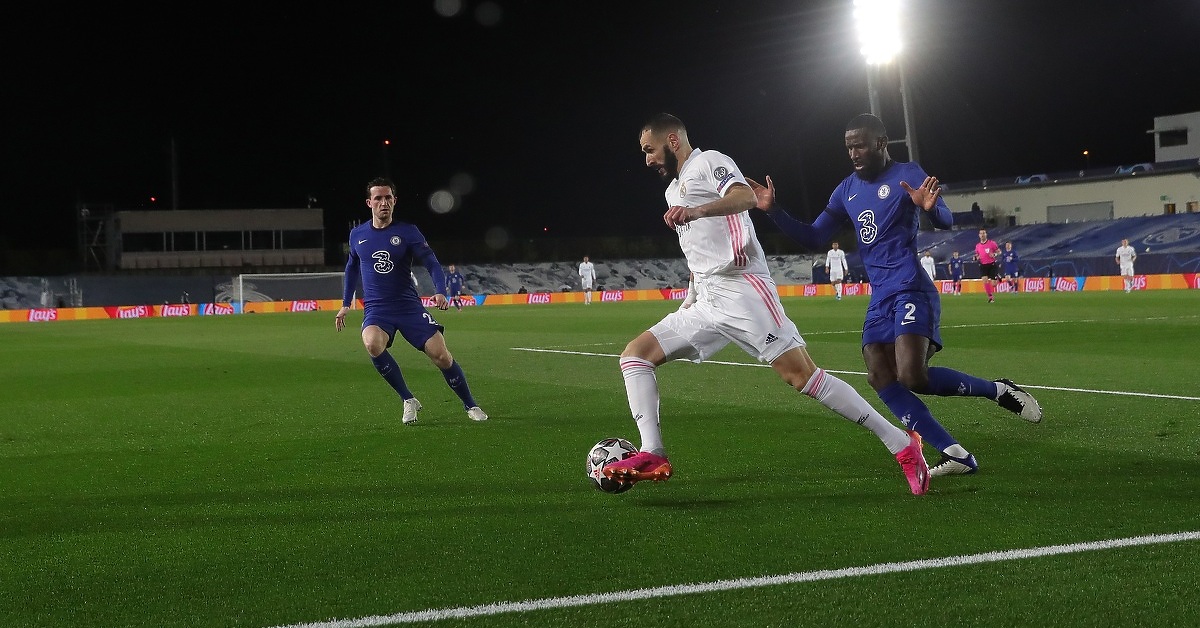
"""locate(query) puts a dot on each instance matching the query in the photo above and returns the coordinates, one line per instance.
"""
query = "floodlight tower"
(878, 31)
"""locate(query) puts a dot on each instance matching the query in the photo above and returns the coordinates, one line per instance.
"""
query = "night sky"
(531, 110)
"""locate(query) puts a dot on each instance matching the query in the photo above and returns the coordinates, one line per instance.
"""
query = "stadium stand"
(1165, 244)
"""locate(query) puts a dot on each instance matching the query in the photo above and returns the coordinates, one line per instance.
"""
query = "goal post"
(261, 287)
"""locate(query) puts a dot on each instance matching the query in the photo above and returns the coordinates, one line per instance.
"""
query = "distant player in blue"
(955, 266)
(381, 255)
(1012, 263)
(901, 332)
(454, 286)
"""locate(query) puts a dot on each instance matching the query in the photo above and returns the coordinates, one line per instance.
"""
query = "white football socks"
(841, 397)
(641, 387)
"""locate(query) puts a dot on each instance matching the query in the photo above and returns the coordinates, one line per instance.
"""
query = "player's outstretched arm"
(810, 236)
(926, 195)
(764, 195)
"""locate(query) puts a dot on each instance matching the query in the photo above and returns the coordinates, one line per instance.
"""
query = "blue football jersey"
(382, 259)
(886, 223)
(1011, 261)
(455, 280)
(956, 268)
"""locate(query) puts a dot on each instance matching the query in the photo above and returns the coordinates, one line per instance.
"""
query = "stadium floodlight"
(877, 29)
(878, 23)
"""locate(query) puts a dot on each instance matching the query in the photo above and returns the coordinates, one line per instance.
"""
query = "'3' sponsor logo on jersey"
(383, 262)
(867, 230)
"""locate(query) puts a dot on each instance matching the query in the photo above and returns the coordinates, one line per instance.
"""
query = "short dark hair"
(379, 182)
(870, 122)
(664, 123)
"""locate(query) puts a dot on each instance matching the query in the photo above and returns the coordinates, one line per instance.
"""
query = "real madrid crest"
(395, 240)
(884, 191)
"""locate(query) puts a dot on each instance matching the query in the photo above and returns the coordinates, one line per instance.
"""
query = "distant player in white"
(835, 266)
(930, 265)
(708, 202)
(1125, 257)
(587, 277)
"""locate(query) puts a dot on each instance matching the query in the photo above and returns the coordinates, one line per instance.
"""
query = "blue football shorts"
(903, 313)
(416, 326)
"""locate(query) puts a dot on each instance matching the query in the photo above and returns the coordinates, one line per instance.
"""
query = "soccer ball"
(604, 452)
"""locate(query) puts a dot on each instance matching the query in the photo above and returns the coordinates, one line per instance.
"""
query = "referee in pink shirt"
(988, 252)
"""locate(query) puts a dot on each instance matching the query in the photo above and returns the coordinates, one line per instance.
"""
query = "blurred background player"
(929, 265)
(708, 203)
(901, 332)
(391, 304)
(1125, 258)
(955, 268)
(988, 253)
(454, 286)
(587, 278)
(835, 265)
(1012, 269)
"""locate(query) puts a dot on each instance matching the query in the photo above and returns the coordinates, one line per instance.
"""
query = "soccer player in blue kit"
(382, 252)
(454, 286)
(955, 266)
(1012, 266)
(901, 332)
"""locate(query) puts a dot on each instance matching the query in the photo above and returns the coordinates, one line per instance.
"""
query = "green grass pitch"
(252, 471)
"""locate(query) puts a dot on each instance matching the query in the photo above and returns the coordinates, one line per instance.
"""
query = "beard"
(670, 165)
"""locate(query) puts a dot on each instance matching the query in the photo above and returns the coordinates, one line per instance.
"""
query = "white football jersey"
(716, 245)
(930, 266)
(587, 273)
(835, 259)
(1125, 254)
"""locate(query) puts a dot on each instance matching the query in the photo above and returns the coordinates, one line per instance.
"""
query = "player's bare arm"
(764, 196)
(738, 199)
(925, 196)
(339, 319)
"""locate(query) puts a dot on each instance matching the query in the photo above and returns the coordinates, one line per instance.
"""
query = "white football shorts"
(743, 309)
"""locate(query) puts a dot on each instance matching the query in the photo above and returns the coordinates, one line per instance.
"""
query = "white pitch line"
(1123, 393)
(439, 614)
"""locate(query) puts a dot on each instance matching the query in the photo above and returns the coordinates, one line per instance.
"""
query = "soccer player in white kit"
(930, 265)
(835, 266)
(587, 277)
(736, 301)
(1125, 256)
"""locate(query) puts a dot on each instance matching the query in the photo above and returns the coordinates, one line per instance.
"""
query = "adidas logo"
(771, 338)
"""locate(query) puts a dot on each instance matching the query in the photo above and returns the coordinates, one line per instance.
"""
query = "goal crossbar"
(257, 287)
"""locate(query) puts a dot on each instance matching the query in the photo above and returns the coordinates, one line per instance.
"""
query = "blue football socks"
(915, 415)
(458, 383)
(387, 367)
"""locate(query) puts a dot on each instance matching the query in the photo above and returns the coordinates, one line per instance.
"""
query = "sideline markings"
(438, 614)
(1124, 393)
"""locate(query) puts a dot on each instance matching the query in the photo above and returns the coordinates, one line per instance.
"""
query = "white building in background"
(1169, 185)
(1176, 137)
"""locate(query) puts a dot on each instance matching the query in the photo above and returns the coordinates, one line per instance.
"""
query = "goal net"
(253, 287)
